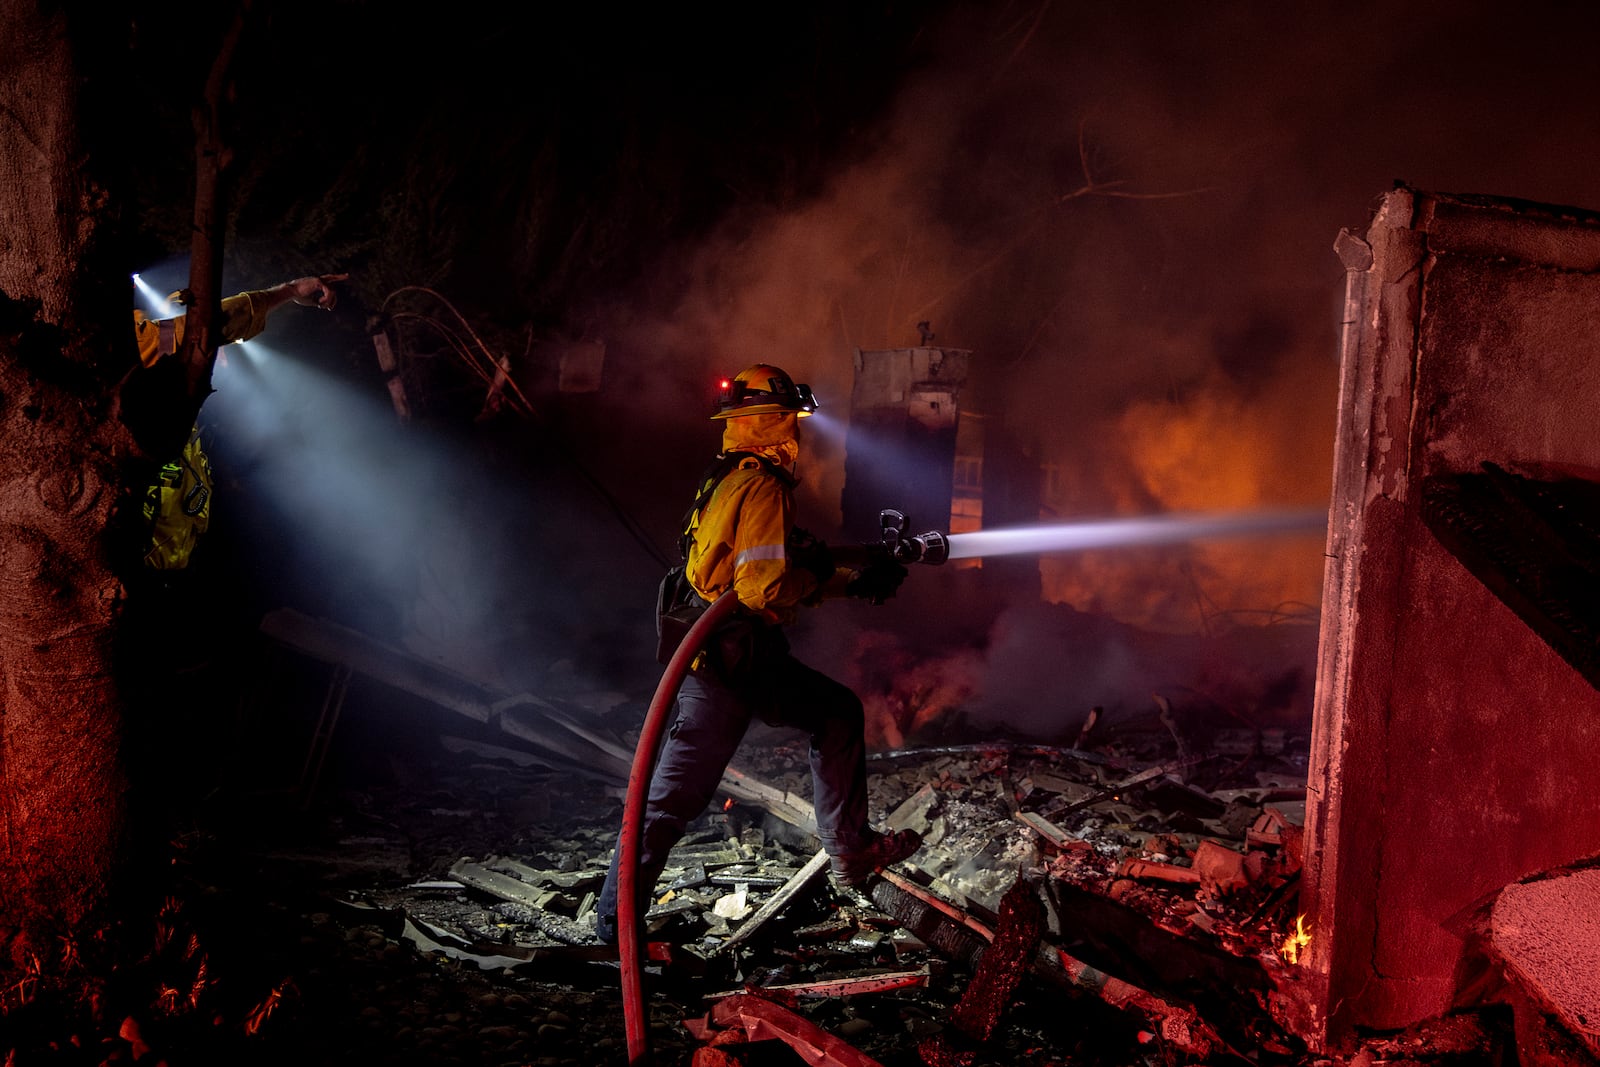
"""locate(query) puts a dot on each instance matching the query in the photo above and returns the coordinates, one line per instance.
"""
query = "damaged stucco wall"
(1451, 746)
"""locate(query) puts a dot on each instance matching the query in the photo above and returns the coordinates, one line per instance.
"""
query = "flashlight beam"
(158, 303)
(1150, 530)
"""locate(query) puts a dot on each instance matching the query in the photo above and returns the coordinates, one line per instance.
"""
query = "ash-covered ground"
(429, 902)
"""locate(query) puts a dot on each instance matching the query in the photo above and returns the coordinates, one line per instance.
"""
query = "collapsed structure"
(1444, 840)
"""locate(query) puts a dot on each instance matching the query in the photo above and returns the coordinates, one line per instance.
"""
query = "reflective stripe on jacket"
(741, 541)
(161, 337)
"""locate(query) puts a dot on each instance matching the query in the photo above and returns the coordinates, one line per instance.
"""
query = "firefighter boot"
(875, 852)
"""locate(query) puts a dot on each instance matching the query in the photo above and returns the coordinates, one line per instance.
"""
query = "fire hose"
(629, 841)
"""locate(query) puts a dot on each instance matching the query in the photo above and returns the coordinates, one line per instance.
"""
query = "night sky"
(1126, 210)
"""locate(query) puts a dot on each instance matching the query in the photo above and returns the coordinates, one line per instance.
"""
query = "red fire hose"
(644, 760)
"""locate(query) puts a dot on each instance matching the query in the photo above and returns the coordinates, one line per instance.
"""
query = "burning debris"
(1130, 899)
(991, 919)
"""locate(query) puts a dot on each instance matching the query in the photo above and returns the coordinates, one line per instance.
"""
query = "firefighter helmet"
(760, 390)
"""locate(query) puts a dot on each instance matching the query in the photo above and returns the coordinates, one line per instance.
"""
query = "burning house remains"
(1198, 876)
(1190, 880)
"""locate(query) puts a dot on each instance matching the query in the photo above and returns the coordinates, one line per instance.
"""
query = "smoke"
(1045, 205)
(1127, 213)
(436, 542)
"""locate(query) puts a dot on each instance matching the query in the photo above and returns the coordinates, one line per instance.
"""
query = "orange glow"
(1293, 943)
(726, 804)
(263, 1011)
(1215, 449)
(912, 693)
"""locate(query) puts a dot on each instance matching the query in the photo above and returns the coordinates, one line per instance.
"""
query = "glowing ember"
(727, 804)
(263, 1011)
(1292, 944)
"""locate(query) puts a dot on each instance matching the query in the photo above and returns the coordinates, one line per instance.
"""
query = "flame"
(903, 692)
(1217, 448)
(1293, 943)
(727, 804)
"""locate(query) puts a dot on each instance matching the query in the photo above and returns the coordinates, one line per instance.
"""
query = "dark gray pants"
(710, 724)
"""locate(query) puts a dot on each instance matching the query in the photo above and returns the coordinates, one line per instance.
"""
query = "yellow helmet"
(762, 389)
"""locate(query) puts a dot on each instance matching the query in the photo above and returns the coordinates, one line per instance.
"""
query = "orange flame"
(905, 692)
(726, 804)
(1293, 943)
(1217, 448)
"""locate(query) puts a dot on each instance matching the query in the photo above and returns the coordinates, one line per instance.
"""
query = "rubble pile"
(1124, 850)
(1127, 900)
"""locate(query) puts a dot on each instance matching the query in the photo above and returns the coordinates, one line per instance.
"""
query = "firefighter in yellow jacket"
(171, 627)
(177, 508)
(740, 535)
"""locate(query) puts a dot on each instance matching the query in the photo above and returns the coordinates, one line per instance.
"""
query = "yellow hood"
(775, 435)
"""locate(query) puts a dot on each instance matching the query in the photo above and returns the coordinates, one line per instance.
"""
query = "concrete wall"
(900, 451)
(1453, 750)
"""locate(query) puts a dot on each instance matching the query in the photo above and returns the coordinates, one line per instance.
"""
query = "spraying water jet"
(1146, 530)
(935, 546)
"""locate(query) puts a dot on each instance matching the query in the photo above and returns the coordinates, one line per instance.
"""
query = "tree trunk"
(65, 344)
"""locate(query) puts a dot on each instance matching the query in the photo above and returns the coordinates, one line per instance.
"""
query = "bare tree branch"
(1027, 36)
(1091, 187)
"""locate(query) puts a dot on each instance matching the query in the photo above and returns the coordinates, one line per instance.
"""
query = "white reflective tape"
(750, 555)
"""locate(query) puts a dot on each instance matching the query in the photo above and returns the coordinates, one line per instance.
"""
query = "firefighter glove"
(808, 553)
(877, 581)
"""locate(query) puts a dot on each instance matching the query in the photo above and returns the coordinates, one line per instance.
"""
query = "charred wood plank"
(525, 724)
(500, 885)
(1047, 829)
(1150, 774)
(1016, 941)
(960, 937)
(792, 809)
(846, 985)
(777, 902)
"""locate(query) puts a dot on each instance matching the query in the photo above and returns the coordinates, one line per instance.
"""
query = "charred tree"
(82, 428)
(65, 344)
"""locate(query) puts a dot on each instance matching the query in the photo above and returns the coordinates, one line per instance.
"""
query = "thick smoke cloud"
(1127, 212)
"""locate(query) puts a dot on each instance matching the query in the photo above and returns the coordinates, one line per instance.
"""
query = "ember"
(1293, 943)
(258, 1017)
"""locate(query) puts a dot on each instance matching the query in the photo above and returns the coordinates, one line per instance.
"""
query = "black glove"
(809, 553)
(877, 581)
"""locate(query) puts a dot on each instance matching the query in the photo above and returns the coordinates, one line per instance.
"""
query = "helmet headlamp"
(763, 389)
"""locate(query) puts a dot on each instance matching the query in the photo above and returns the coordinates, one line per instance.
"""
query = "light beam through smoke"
(157, 305)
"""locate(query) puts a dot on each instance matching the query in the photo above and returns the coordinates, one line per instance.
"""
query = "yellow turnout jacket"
(243, 316)
(741, 542)
(741, 539)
